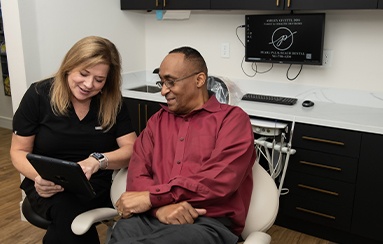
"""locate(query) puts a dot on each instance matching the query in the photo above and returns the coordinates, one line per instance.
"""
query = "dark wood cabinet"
(164, 4)
(293, 4)
(247, 4)
(334, 182)
(330, 4)
(321, 176)
(368, 214)
(380, 4)
(140, 111)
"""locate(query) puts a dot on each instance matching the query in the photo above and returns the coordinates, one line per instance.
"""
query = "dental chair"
(261, 216)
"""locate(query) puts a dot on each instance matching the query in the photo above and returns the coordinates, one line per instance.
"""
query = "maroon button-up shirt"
(204, 158)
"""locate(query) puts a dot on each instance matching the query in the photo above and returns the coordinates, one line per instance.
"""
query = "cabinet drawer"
(320, 189)
(316, 211)
(325, 165)
(326, 139)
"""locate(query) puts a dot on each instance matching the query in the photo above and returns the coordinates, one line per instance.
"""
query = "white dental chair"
(262, 212)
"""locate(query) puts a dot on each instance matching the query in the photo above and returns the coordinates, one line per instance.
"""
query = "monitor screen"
(285, 38)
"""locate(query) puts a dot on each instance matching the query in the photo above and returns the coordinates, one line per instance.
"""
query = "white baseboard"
(6, 122)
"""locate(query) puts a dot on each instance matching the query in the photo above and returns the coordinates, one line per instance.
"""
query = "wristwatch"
(102, 159)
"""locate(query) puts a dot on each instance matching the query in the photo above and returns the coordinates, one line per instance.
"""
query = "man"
(189, 178)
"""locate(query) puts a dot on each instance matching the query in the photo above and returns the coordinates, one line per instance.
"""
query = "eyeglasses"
(170, 83)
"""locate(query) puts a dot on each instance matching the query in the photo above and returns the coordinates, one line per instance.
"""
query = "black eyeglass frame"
(170, 83)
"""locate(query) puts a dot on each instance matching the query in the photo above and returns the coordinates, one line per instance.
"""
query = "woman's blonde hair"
(86, 53)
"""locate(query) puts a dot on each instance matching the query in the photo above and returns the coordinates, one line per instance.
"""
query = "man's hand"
(133, 202)
(179, 213)
(46, 188)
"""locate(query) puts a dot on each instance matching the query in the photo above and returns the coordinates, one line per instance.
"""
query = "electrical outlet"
(225, 50)
(327, 58)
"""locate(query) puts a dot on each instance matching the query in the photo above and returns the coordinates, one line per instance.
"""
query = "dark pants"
(62, 208)
(147, 229)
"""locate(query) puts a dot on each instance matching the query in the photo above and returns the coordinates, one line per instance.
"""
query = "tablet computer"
(64, 173)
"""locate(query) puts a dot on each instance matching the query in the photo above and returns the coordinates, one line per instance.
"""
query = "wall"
(355, 37)
(40, 32)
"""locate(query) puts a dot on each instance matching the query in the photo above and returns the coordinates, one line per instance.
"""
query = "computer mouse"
(307, 103)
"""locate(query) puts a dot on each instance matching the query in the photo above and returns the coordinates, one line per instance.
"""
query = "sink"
(146, 88)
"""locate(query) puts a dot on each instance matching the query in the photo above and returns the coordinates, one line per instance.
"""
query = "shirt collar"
(212, 105)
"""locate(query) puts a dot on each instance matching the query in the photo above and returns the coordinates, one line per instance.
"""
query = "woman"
(78, 115)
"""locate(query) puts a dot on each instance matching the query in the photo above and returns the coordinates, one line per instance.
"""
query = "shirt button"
(186, 120)
(178, 162)
(157, 190)
(158, 198)
(182, 139)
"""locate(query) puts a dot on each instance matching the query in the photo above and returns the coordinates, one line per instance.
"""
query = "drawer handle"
(319, 190)
(277, 3)
(316, 213)
(323, 140)
(321, 166)
(288, 3)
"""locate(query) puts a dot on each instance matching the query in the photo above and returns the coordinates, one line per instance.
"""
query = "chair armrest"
(258, 237)
(84, 221)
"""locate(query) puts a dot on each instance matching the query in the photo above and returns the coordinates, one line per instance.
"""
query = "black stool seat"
(32, 216)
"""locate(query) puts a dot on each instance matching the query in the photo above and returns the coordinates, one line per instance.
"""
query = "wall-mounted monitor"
(285, 38)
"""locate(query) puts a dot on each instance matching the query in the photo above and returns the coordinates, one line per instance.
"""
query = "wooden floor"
(15, 231)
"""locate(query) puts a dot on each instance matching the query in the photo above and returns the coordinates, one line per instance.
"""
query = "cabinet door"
(134, 111)
(368, 214)
(186, 4)
(140, 4)
(330, 4)
(164, 4)
(380, 4)
(140, 111)
(247, 4)
(147, 110)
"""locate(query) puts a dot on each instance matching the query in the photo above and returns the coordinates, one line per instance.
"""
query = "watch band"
(102, 159)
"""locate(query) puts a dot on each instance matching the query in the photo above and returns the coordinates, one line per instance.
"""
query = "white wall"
(40, 32)
(356, 38)
(47, 29)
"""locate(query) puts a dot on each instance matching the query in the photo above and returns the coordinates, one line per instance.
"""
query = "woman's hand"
(46, 188)
(89, 166)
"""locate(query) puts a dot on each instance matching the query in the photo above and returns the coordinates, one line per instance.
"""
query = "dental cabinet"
(140, 111)
(333, 185)
(248, 4)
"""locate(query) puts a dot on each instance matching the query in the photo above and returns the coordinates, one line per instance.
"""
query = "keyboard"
(269, 99)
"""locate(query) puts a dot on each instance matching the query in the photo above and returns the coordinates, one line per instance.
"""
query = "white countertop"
(346, 109)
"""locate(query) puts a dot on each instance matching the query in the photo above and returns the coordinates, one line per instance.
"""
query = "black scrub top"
(66, 137)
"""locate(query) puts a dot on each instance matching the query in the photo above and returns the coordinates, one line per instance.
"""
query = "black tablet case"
(65, 173)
